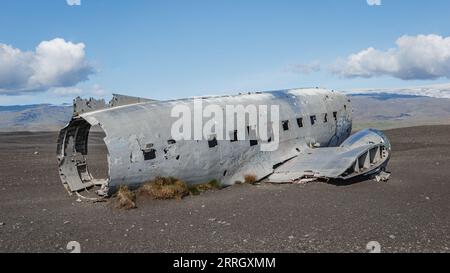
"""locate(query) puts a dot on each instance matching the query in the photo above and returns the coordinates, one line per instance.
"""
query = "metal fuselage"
(141, 146)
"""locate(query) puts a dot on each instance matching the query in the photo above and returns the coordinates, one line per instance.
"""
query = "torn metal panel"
(119, 100)
(82, 106)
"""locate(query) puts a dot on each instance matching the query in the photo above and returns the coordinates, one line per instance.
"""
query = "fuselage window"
(212, 142)
(325, 118)
(285, 124)
(234, 137)
(313, 119)
(149, 152)
(335, 116)
(300, 122)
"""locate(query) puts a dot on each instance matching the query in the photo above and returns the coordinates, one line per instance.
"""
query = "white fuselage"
(133, 130)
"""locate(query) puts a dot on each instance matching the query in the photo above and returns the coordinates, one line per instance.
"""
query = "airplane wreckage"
(314, 142)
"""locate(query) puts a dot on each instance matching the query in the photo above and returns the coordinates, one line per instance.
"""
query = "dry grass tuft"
(126, 199)
(211, 185)
(250, 179)
(163, 188)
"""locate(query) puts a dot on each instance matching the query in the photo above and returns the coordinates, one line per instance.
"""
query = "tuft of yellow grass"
(163, 188)
(126, 199)
(250, 179)
(199, 188)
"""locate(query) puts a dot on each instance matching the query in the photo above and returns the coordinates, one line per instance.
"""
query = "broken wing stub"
(364, 154)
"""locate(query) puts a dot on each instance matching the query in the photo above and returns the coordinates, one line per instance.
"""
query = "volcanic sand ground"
(410, 213)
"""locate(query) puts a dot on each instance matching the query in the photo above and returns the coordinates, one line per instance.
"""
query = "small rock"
(66, 222)
(79, 200)
(36, 153)
(392, 236)
(2, 224)
(291, 237)
(426, 197)
(212, 219)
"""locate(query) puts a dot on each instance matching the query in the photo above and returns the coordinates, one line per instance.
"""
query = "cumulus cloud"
(419, 57)
(305, 68)
(374, 2)
(73, 2)
(54, 63)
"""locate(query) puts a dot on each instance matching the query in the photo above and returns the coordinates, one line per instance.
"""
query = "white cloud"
(415, 57)
(374, 2)
(73, 2)
(305, 68)
(54, 63)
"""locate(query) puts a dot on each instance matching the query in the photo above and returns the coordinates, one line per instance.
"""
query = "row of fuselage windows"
(151, 154)
(312, 119)
(285, 124)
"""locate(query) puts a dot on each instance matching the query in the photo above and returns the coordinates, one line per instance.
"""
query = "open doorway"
(97, 156)
(83, 156)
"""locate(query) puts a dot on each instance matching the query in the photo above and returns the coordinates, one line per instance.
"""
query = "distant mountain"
(391, 110)
(433, 91)
(39, 117)
(377, 109)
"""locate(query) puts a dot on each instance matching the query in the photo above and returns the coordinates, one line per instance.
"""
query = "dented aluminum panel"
(141, 146)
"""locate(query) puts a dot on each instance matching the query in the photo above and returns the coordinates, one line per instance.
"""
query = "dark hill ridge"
(40, 117)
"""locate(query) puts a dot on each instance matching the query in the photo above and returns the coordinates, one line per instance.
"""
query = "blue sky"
(172, 49)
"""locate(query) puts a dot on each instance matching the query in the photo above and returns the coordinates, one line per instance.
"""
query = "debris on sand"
(382, 177)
